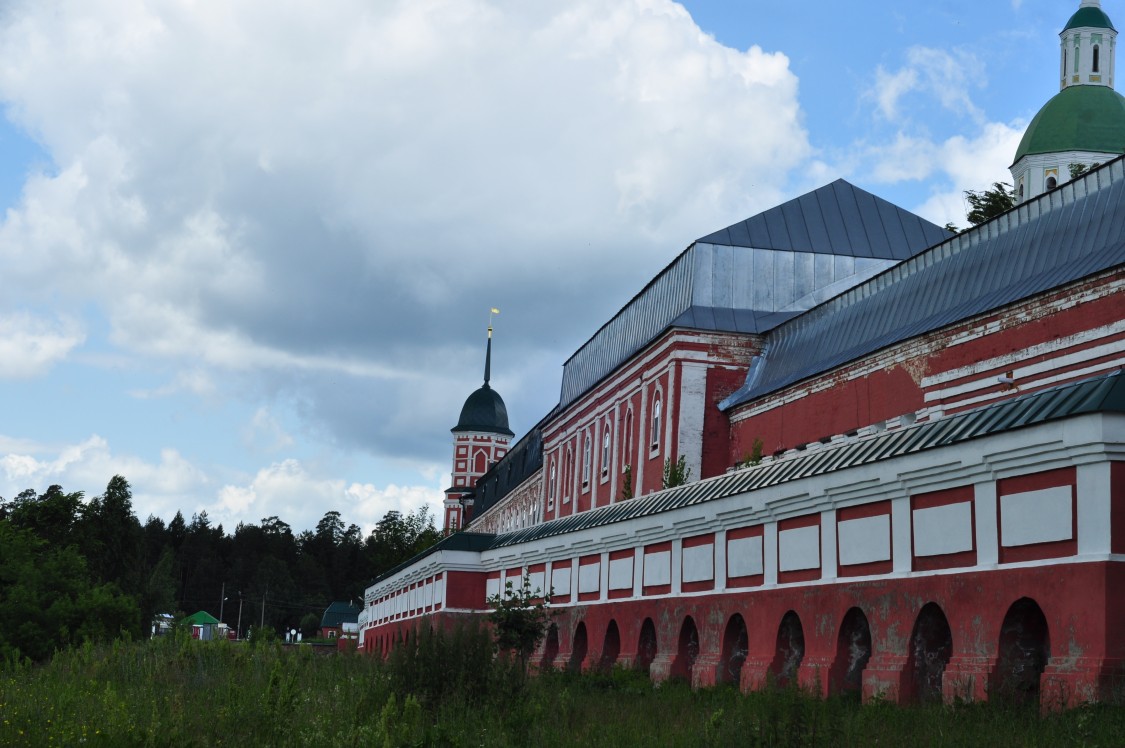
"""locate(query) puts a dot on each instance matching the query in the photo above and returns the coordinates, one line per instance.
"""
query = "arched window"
(605, 449)
(627, 452)
(568, 475)
(586, 457)
(552, 483)
(656, 407)
(1021, 192)
(1052, 183)
(1097, 56)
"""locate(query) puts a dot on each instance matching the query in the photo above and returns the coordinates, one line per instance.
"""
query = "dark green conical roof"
(1078, 118)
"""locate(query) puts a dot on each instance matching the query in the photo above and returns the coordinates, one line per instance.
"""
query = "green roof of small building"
(202, 618)
(1078, 118)
(1094, 18)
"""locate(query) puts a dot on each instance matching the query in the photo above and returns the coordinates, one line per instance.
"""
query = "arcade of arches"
(918, 653)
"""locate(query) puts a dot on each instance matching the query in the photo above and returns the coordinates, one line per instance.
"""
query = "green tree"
(675, 473)
(519, 618)
(987, 204)
(627, 483)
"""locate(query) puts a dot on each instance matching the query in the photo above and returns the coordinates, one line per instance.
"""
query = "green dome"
(1078, 118)
(1094, 18)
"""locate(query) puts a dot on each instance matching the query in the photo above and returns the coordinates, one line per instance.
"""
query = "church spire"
(488, 348)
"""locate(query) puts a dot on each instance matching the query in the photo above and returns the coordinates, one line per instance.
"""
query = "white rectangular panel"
(943, 529)
(621, 573)
(865, 540)
(492, 588)
(439, 591)
(1042, 516)
(699, 563)
(589, 578)
(536, 581)
(744, 557)
(798, 549)
(428, 594)
(560, 580)
(658, 568)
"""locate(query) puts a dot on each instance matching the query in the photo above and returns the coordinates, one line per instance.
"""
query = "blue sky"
(250, 251)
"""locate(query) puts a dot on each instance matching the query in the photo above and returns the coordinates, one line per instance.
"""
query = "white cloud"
(265, 433)
(947, 76)
(301, 499)
(314, 199)
(970, 164)
(159, 488)
(30, 345)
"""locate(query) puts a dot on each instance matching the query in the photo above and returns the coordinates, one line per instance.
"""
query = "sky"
(248, 249)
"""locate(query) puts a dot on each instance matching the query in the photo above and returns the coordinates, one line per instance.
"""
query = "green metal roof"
(1078, 118)
(1094, 18)
(201, 618)
(339, 613)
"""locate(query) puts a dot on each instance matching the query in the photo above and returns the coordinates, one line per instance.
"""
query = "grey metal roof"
(1101, 394)
(839, 219)
(758, 273)
(1060, 237)
(458, 541)
(519, 464)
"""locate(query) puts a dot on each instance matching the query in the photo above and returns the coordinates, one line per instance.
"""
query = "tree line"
(73, 569)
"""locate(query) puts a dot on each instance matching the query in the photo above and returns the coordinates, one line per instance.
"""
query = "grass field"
(450, 690)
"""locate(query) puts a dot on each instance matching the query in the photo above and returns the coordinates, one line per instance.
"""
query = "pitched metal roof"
(838, 219)
(339, 613)
(519, 464)
(1098, 395)
(758, 273)
(1060, 237)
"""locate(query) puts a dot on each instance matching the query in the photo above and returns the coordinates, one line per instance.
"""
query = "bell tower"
(1082, 126)
(480, 438)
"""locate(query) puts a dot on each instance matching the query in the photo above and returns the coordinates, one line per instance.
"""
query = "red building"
(906, 453)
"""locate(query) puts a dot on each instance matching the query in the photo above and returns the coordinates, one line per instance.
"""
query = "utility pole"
(263, 623)
(222, 601)
(238, 634)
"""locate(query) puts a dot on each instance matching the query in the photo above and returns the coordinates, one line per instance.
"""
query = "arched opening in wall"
(853, 650)
(1052, 183)
(611, 647)
(687, 651)
(586, 458)
(1097, 60)
(626, 453)
(931, 646)
(646, 645)
(605, 449)
(480, 462)
(1025, 647)
(790, 650)
(578, 652)
(657, 406)
(736, 644)
(550, 647)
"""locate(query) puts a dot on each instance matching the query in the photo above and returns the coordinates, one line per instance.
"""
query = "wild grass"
(447, 689)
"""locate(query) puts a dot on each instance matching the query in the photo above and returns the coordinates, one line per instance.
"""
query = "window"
(625, 453)
(568, 475)
(1052, 183)
(552, 484)
(586, 456)
(605, 449)
(1021, 192)
(1097, 55)
(656, 404)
